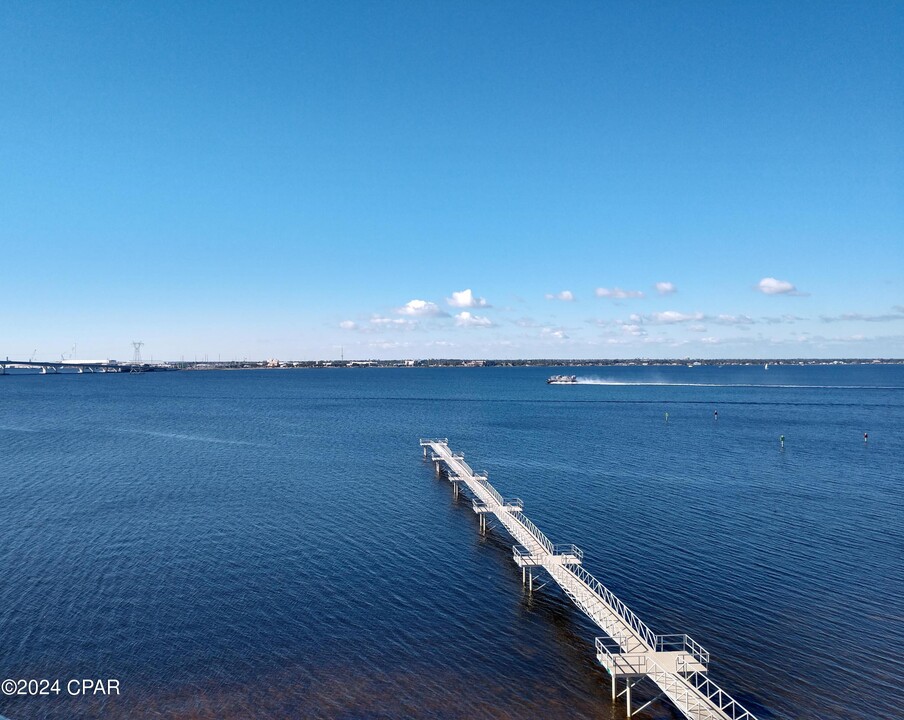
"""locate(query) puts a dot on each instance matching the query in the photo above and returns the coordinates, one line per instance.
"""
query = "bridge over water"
(629, 649)
(52, 367)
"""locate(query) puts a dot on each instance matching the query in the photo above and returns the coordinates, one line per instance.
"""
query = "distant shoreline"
(450, 363)
(12, 368)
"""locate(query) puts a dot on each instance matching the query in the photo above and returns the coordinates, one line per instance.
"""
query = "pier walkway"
(628, 649)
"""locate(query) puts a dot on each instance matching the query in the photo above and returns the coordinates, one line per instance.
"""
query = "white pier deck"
(629, 649)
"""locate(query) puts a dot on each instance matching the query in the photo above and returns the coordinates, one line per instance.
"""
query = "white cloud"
(526, 322)
(732, 320)
(666, 288)
(635, 330)
(380, 323)
(388, 345)
(466, 319)
(674, 317)
(420, 308)
(897, 313)
(565, 295)
(819, 340)
(617, 293)
(663, 340)
(553, 332)
(394, 323)
(771, 286)
(670, 317)
(466, 299)
(789, 319)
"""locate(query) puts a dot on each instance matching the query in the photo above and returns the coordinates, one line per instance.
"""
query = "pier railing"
(521, 551)
(513, 504)
(718, 697)
(460, 459)
(682, 643)
(534, 531)
(623, 611)
(568, 550)
(484, 482)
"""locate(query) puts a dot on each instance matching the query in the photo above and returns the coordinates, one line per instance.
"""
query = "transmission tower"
(136, 357)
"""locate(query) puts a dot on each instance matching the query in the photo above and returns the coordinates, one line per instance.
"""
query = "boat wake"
(663, 383)
(190, 438)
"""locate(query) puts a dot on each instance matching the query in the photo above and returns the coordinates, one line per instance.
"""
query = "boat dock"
(629, 649)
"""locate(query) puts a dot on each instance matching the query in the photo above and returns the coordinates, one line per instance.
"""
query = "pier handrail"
(622, 610)
(682, 642)
(718, 697)
(568, 549)
(693, 705)
(534, 531)
(460, 459)
(623, 662)
(482, 479)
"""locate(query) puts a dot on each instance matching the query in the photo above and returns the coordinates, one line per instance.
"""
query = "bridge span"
(629, 649)
(52, 367)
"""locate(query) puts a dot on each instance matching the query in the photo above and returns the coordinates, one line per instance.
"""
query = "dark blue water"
(271, 544)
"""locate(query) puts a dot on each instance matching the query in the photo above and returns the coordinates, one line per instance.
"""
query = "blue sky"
(284, 179)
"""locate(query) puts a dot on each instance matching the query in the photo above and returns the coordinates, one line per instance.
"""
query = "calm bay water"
(272, 545)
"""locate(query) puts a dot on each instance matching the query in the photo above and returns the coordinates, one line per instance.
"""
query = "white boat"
(562, 380)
